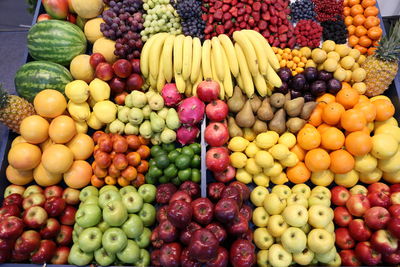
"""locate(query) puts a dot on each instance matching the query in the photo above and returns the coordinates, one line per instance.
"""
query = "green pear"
(128, 101)
(156, 102)
(163, 113)
(157, 123)
(149, 94)
(123, 113)
(146, 112)
(172, 120)
(145, 129)
(131, 129)
(168, 136)
(117, 126)
(139, 99)
(135, 116)
(156, 139)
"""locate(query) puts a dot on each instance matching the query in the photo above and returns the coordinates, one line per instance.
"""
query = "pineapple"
(381, 68)
(13, 109)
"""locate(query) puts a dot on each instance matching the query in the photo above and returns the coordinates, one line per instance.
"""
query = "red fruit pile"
(36, 224)
(308, 33)
(269, 17)
(193, 231)
(369, 223)
(119, 159)
(328, 9)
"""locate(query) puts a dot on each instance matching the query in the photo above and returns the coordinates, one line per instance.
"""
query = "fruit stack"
(368, 224)
(294, 225)
(111, 225)
(42, 233)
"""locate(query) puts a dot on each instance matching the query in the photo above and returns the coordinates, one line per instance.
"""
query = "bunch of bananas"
(249, 61)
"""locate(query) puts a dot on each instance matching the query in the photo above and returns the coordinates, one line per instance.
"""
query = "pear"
(157, 123)
(135, 116)
(277, 100)
(123, 114)
(236, 102)
(146, 112)
(233, 129)
(172, 120)
(295, 124)
(149, 94)
(131, 129)
(260, 126)
(156, 102)
(168, 136)
(128, 101)
(156, 139)
(307, 110)
(277, 124)
(293, 107)
(288, 97)
(163, 113)
(255, 102)
(265, 111)
(145, 129)
(139, 99)
(245, 118)
(116, 126)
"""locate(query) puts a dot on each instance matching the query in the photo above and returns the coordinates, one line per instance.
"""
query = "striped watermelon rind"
(56, 41)
(36, 76)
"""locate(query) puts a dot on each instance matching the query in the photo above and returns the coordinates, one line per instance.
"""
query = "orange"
(18, 177)
(363, 98)
(332, 112)
(384, 109)
(309, 138)
(345, 2)
(144, 141)
(315, 117)
(81, 146)
(371, 11)
(138, 181)
(298, 174)
(353, 120)
(345, 85)
(360, 48)
(45, 178)
(356, 9)
(110, 180)
(365, 41)
(79, 175)
(360, 31)
(354, 2)
(317, 160)
(96, 181)
(332, 139)
(367, 3)
(323, 127)
(375, 43)
(368, 109)
(358, 20)
(358, 143)
(300, 153)
(34, 129)
(371, 22)
(143, 166)
(346, 11)
(375, 33)
(351, 29)
(58, 158)
(144, 151)
(371, 50)
(348, 20)
(24, 156)
(62, 129)
(50, 103)
(341, 161)
(326, 98)
(123, 182)
(348, 97)
(353, 40)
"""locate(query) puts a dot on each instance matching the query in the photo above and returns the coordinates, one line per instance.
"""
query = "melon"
(106, 47)
(81, 69)
(88, 8)
(92, 29)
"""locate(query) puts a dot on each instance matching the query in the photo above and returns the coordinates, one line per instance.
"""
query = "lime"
(172, 155)
(188, 151)
(183, 161)
(150, 180)
(176, 181)
(196, 176)
(155, 150)
(162, 161)
(196, 161)
(155, 172)
(185, 175)
(196, 148)
(168, 147)
(171, 171)
(163, 179)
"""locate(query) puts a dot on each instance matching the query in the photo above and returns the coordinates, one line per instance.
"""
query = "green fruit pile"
(175, 165)
(111, 226)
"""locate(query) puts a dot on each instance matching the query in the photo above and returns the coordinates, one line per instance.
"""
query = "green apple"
(144, 259)
(260, 217)
(294, 240)
(132, 201)
(103, 226)
(130, 254)
(262, 238)
(107, 188)
(327, 257)
(90, 239)
(262, 258)
(283, 191)
(319, 216)
(143, 240)
(273, 204)
(127, 189)
(302, 188)
(330, 227)
(337, 261)
(103, 257)
(108, 196)
(314, 262)
(114, 240)
(258, 194)
(319, 199)
(297, 198)
(320, 241)
(133, 227)
(148, 192)
(276, 225)
(90, 200)
(78, 257)
(306, 228)
(88, 215)
(75, 236)
(78, 229)
(87, 192)
(359, 189)
(295, 215)
(147, 214)
(321, 190)
(114, 212)
(304, 258)
(278, 256)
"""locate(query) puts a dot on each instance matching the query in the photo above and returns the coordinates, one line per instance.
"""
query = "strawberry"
(256, 6)
(233, 11)
(228, 25)
(225, 8)
(220, 29)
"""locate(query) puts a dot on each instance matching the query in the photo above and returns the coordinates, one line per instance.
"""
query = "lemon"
(251, 150)
(340, 74)
(391, 121)
(384, 146)
(391, 164)
(305, 51)
(318, 55)
(99, 90)
(287, 139)
(261, 179)
(264, 159)
(348, 179)
(310, 64)
(355, 66)
(392, 177)
(342, 49)
(249, 134)
(238, 144)
(238, 159)
(366, 163)
(322, 178)
(333, 55)
(347, 62)
(94, 123)
(267, 140)
(243, 176)
(279, 179)
(372, 99)
(389, 129)
(290, 161)
(79, 112)
(77, 91)
(348, 75)
(354, 53)
(371, 177)
(279, 151)
(252, 167)
(358, 75)
(361, 59)
(275, 170)
(330, 64)
(328, 46)
(81, 127)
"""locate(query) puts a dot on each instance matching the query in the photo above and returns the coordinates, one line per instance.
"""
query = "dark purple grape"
(310, 74)
(318, 88)
(294, 94)
(324, 75)
(333, 86)
(298, 82)
(285, 74)
(308, 97)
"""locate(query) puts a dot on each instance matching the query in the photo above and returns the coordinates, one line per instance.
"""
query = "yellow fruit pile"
(293, 59)
(263, 159)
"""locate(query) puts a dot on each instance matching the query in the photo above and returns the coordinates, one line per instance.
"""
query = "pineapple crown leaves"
(3, 97)
(389, 46)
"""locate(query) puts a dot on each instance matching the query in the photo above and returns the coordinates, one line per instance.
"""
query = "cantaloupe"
(106, 47)
(88, 8)
(92, 29)
(81, 69)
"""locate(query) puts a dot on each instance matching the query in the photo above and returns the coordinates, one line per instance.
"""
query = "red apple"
(64, 237)
(117, 85)
(187, 261)
(10, 210)
(51, 229)
(122, 68)
(248, 235)
(226, 210)
(359, 230)
(343, 239)
(342, 216)
(225, 176)
(162, 214)
(348, 257)
(134, 82)
(393, 258)
(187, 232)
(377, 218)
(395, 198)
(179, 212)
(6, 244)
(395, 210)
(53, 191)
(366, 254)
(217, 159)
(95, 59)
(242, 253)
(13, 199)
(167, 232)
(119, 99)
(35, 217)
(155, 257)
(203, 245)
(36, 199)
(214, 191)
(218, 230)
(379, 199)
(45, 253)
(221, 260)
(238, 226)
(394, 226)
(28, 242)
(32, 189)
(379, 188)
(135, 65)
(19, 257)
(5, 255)
(216, 134)
(165, 192)
(68, 216)
(170, 255)
(203, 210)
(246, 211)
(243, 189)
(340, 195)
(14, 189)
(71, 196)
(192, 188)
(61, 255)
(11, 227)
(217, 110)
(357, 205)
(395, 188)
(180, 195)
(383, 241)
(104, 71)
(208, 90)
(54, 206)
(234, 193)
(155, 238)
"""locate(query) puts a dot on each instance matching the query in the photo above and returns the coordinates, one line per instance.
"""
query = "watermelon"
(36, 76)
(56, 41)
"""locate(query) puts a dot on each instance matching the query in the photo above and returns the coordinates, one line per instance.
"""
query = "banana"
(196, 62)
(215, 78)
(230, 53)
(273, 78)
(239, 81)
(261, 85)
(144, 57)
(153, 82)
(216, 54)
(248, 50)
(261, 53)
(206, 59)
(247, 81)
(166, 58)
(161, 77)
(180, 83)
(196, 84)
(188, 89)
(187, 57)
(272, 58)
(178, 53)
(270, 88)
(155, 53)
(228, 86)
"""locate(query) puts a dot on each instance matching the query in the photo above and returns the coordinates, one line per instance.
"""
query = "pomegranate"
(208, 90)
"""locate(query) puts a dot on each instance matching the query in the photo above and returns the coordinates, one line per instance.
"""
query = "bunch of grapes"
(123, 22)
(161, 17)
(190, 13)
